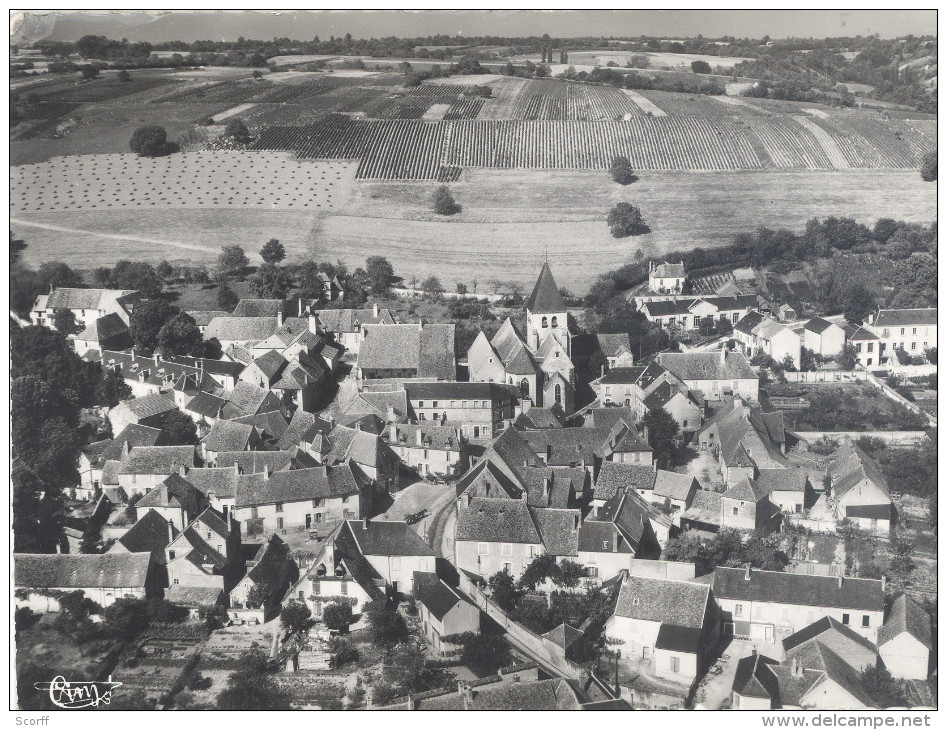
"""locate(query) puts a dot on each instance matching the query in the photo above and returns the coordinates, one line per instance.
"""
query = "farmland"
(343, 164)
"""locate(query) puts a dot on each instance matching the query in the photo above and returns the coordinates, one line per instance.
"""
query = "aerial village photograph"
(474, 360)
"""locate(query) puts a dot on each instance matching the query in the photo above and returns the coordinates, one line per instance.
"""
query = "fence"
(404, 293)
(540, 649)
(826, 376)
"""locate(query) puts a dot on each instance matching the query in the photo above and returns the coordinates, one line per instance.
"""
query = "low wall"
(405, 293)
(817, 377)
(896, 438)
(246, 615)
(898, 398)
(668, 569)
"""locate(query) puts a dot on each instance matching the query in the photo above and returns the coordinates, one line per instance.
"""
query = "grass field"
(509, 220)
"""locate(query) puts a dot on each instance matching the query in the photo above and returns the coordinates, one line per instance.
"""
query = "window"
(913, 345)
(736, 511)
(254, 513)
(318, 516)
(170, 554)
(176, 581)
(317, 502)
(279, 506)
(886, 332)
(555, 321)
(685, 423)
(914, 330)
(453, 404)
(675, 664)
(344, 587)
(558, 394)
(279, 523)
(845, 619)
(302, 595)
(420, 404)
(736, 317)
(866, 621)
(545, 322)
(507, 549)
(483, 548)
(508, 567)
(434, 404)
(871, 346)
(464, 404)
(316, 588)
(425, 454)
(738, 609)
(902, 330)
(858, 347)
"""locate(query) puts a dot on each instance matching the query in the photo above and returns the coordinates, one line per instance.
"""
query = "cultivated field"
(509, 219)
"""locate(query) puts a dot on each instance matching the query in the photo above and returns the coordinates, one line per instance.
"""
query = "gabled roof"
(496, 520)
(173, 491)
(906, 616)
(108, 570)
(443, 438)
(257, 308)
(221, 481)
(545, 296)
(748, 323)
(269, 562)
(252, 462)
(193, 596)
(157, 460)
(459, 390)
(202, 317)
(345, 320)
(246, 398)
(596, 536)
(799, 589)
(818, 325)
(862, 334)
(707, 365)
(150, 534)
(678, 603)
(614, 477)
(623, 376)
(359, 446)
(782, 480)
(558, 529)
(563, 636)
(149, 405)
(612, 345)
(271, 424)
(904, 317)
(830, 632)
(427, 349)
(567, 446)
(755, 677)
(488, 475)
(745, 490)
(536, 418)
(435, 595)
(382, 537)
(241, 329)
(673, 485)
(668, 271)
(104, 329)
(135, 435)
(66, 298)
(296, 485)
(270, 363)
(379, 402)
(228, 436)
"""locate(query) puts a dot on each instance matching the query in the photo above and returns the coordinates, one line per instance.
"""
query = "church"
(539, 361)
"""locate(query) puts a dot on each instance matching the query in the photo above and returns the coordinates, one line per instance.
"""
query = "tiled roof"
(545, 296)
(257, 308)
(663, 394)
(443, 438)
(673, 485)
(558, 529)
(747, 324)
(157, 460)
(434, 594)
(378, 403)
(108, 570)
(382, 537)
(496, 520)
(149, 405)
(459, 390)
(707, 366)
(85, 298)
(782, 480)
(614, 477)
(678, 603)
(669, 271)
(755, 678)
(193, 596)
(831, 633)
(798, 589)
(214, 367)
(870, 511)
(250, 462)
(270, 363)
(246, 398)
(679, 638)
(149, 534)
(818, 325)
(135, 435)
(745, 490)
(862, 334)
(547, 694)
(270, 561)
(359, 446)
(173, 491)
(110, 472)
(205, 404)
(298, 425)
(596, 536)
(904, 317)
(202, 317)
(344, 320)
(271, 424)
(427, 349)
(296, 485)
(563, 636)
(104, 329)
(222, 481)
(491, 478)
(228, 436)
(241, 329)
(537, 418)
(623, 376)
(906, 616)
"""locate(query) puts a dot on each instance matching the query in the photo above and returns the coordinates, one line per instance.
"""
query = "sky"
(303, 25)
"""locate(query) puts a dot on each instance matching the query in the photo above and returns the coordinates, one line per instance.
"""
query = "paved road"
(112, 236)
(441, 529)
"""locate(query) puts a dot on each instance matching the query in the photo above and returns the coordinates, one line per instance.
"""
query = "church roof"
(546, 296)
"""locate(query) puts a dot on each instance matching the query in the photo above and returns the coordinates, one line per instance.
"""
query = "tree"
(503, 590)
(570, 573)
(252, 688)
(432, 285)
(237, 130)
(700, 67)
(444, 203)
(929, 167)
(179, 428)
(884, 689)
(848, 358)
(149, 140)
(271, 282)
(64, 320)
(621, 171)
(37, 513)
(90, 72)
(388, 626)
(539, 569)
(273, 251)
(295, 617)
(259, 594)
(123, 76)
(17, 246)
(165, 271)
(146, 321)
(380, 273)
(232, 260)
(127, 617)
(625, 220)
(484, 653)
(179, 336)
(337, 616)
(857, 303)
(57, 274)
(102, 277)
(226, 298)
(662, 435)
(138, 275)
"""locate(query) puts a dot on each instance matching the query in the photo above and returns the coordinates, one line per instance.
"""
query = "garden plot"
(217, 179)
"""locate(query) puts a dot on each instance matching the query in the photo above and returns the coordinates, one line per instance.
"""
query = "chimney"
(390, 414)
(603, 371)
(375, 309)
(124, 449)
(312, 324)
(420, 325)
(796, 667)
(358, 425)
(170, 531)
(419, 436)
(524, 495)
(884, 583)
(300, 302)
(840, 578)
(465, 498)
(133, 354)
(577, 520)
(266, 470)
(279, 316)
(393, 433)
(746, 576)
(182, 470)
(723, 357)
